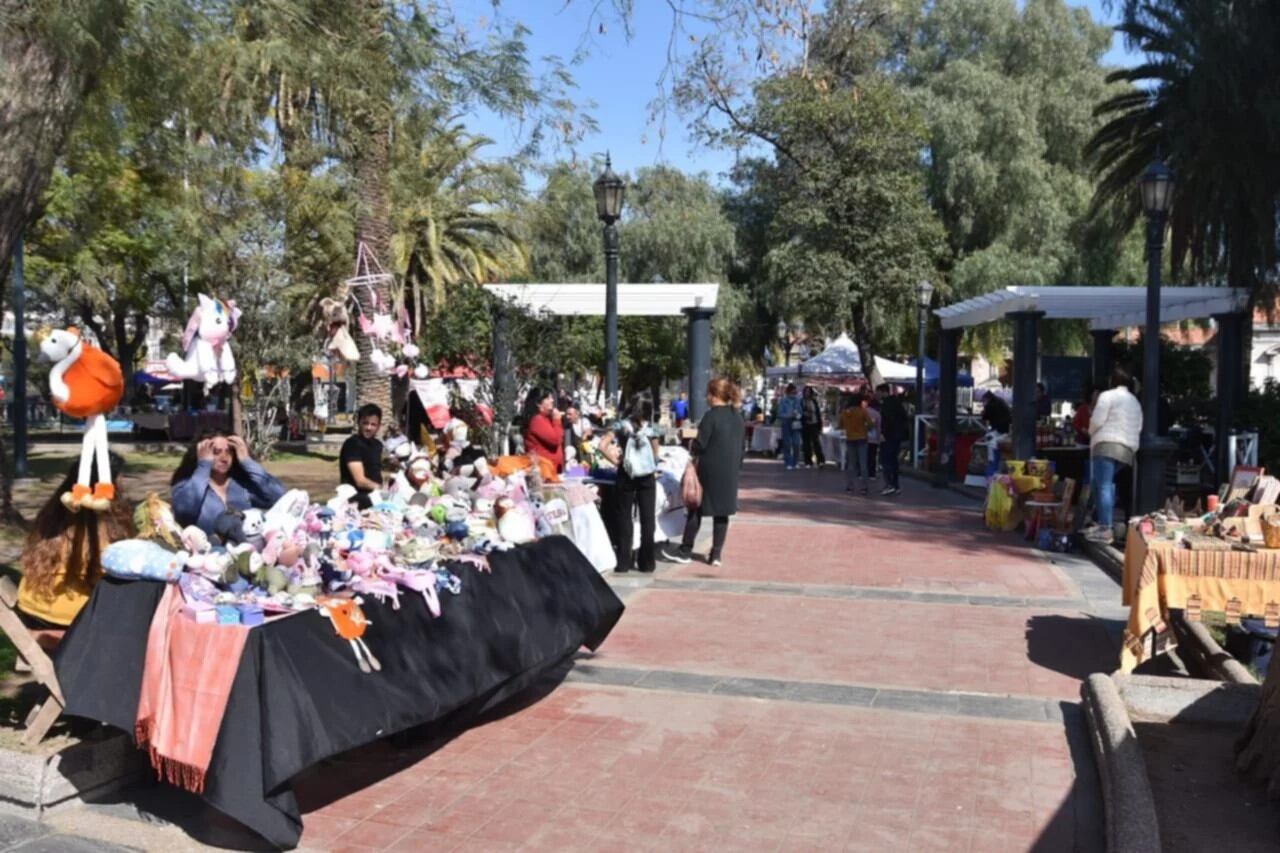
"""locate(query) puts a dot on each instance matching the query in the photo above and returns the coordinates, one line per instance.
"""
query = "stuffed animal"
(205, 343)
(87, 383)
(515, 523)
(337, 332)
(350, 623)
(133, 559)
(203, 560)
(153, 519)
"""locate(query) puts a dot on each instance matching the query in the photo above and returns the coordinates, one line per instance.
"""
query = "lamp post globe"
(1155, 187)
(609, 190)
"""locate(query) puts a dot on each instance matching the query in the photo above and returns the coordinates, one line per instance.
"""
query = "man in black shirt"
(360, 462)
(893, 431)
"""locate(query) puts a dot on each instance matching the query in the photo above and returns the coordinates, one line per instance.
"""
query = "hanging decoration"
(85, 383)
(206, 344)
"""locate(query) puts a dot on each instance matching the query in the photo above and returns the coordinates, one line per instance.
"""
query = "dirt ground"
(1201, 802)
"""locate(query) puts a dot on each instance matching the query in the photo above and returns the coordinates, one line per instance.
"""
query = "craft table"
(298, 695)
(765, 438)
(1159, 577)
(834, 446)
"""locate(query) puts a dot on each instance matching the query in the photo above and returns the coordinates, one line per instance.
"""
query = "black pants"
(634, 494)
(812, 444)
(719, 530)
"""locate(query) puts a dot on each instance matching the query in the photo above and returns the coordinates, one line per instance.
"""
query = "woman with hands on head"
(217, 474)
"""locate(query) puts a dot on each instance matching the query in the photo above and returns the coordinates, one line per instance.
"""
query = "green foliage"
(1184, 375)
(1008, 94)
(853, 233)
(451, 228)
(1261, 411)
(1207, 100)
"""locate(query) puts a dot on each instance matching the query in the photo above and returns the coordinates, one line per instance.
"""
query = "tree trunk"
(44, 78)
(372, 126)
(866, 353)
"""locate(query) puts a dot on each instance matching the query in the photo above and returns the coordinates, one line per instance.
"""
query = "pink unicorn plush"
(206, 344)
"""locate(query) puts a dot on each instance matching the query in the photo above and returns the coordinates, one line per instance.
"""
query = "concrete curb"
(33, 783)
(1192, 701)
(1202, 652)
(1105, 557)
(1131, 824)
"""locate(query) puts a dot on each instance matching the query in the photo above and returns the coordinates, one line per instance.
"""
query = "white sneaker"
(886, 491)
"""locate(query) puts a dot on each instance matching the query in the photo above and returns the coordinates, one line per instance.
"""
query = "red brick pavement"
(615, 769)
(972, 562)
(930, 646)
(594, 767)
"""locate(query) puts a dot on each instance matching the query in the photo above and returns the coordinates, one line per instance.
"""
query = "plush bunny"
(202, 559)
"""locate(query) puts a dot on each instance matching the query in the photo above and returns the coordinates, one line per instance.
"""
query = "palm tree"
(450, 228)
(1205, 100)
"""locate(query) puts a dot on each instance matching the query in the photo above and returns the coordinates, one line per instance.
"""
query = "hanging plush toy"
(206, 344)
(337, 334)
(85, 383)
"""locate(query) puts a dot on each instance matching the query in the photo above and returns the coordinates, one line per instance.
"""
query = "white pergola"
(587, 300)
(1103, 307)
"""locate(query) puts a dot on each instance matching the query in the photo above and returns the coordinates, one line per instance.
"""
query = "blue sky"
(619, 76)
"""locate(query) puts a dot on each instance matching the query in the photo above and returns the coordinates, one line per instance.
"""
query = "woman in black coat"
(718, 453)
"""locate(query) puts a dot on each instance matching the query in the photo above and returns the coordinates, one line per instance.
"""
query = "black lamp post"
(924, 295)
(609, 190)
(1156, 187)
(789, 334)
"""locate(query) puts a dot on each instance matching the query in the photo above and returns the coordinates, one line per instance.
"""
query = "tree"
(50, 56)
(1006, 91)
(450, 226)
(1207, 101)
(853, 233)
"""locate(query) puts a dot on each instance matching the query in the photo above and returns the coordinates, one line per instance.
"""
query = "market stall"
(299, 695)
(1193, 566)
(765, 438)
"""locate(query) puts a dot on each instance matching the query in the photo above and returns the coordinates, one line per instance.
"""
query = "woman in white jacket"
(1114, 432)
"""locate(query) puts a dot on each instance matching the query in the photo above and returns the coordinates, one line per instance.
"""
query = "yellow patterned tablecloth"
(1159, 576)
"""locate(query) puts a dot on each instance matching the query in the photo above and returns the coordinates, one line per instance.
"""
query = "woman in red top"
(543, 430)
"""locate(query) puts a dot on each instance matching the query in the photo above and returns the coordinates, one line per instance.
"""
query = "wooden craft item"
(1193, 609)
(1233, 611)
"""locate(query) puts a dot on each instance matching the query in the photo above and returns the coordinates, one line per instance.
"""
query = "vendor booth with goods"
(241, 651)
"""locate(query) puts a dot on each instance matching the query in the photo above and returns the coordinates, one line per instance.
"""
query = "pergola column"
(1230, 357)
(948, 367)
(699, 327)
(1026, 354)
(1102, 364)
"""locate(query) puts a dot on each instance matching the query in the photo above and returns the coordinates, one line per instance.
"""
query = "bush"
(1260, 411)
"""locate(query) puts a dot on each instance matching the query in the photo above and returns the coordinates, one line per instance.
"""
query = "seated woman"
(62, 558)
(217, 474)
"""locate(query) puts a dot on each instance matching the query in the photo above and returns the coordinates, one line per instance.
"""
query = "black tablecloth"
(299, 696)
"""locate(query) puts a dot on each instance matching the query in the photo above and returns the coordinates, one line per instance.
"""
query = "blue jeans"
(889, 450)
(791, 440)
(1102, 473)
(855, 463)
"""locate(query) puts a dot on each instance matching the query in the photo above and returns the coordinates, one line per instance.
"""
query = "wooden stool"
(31, 645)
(1059, 511)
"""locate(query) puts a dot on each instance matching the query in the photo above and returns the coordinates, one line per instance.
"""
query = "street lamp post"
(1156, 187)
(924, 295)
(609, 190)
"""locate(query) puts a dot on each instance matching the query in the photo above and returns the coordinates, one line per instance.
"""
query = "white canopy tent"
(841, 360)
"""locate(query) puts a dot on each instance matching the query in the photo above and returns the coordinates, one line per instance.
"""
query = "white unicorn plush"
(206, 344)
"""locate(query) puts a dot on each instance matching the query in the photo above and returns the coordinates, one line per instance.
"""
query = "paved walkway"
(860, 674)
(878, 674)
